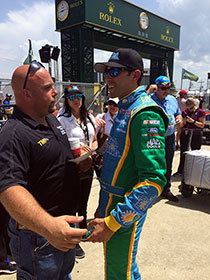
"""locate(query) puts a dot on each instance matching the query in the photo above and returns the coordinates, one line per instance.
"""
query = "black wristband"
(194, 121)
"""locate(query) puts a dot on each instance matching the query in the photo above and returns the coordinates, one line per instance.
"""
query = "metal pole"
(181, 79)
(57, 69)
(50, 68)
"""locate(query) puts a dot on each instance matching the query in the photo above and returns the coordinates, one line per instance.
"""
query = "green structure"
(107, 25)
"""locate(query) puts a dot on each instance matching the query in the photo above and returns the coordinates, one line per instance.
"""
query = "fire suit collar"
(131, 97)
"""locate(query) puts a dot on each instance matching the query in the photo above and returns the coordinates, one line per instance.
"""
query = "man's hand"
(61, 235)
(23, 207)
(179, 122)
(100, 122)
(101, 232)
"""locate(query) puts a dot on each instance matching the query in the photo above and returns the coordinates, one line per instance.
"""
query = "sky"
(21, 20)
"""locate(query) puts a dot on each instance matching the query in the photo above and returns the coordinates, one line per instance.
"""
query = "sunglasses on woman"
(113, 72)
(73, 96)
(34, 66)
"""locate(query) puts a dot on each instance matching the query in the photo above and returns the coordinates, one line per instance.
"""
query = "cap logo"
(72, 88)
(115, 56)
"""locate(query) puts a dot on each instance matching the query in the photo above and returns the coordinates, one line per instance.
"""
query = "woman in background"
(75, 119)
(193, 119)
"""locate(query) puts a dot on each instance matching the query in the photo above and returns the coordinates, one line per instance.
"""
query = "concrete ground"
(174, 243)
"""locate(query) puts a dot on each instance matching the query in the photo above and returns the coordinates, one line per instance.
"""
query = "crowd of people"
(45, 188)
(6, 111)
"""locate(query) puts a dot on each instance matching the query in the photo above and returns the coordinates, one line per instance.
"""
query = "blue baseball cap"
(8, 95)
(162, 81)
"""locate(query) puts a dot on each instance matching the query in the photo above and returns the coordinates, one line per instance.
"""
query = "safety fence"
(95, 93)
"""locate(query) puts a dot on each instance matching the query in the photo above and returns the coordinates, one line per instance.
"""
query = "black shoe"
(7, 267)
(170, 196)
(80, 254)
(177, 174)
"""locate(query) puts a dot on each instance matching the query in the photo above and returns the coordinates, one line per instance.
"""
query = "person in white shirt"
(104, 124)
(182, 99)
(107, 117)
(77, 123)
(196, 100)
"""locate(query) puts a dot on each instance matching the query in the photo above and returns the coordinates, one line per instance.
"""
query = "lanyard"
(84, 128)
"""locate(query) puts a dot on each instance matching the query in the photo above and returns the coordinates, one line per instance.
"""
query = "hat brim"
(101, 67)
(72, 92)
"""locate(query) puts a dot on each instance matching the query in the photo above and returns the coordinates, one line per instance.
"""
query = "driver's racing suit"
(132, 178)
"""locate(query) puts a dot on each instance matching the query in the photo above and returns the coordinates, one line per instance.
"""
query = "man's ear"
(137, 75)
(27, 94)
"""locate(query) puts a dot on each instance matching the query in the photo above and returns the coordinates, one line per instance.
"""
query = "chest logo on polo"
(43, 141)
(62, 130)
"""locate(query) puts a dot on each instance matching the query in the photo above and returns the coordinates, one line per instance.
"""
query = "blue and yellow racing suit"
(132, 178)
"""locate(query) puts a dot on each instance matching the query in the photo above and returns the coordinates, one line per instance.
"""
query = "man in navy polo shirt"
(169, 104)
(38, 184)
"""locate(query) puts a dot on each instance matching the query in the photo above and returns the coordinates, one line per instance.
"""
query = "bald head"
(34, 79)
(38, 97)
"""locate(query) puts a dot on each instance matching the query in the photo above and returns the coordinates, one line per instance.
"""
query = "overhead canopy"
(121, 16)
(107, 25)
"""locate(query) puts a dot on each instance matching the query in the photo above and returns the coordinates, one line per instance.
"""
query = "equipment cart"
(196, 174)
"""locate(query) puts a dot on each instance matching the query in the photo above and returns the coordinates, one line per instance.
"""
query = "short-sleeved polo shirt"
(37, 157)
(171, 107)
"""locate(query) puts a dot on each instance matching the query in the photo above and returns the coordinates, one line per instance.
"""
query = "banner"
(29, 58)
(188, 75)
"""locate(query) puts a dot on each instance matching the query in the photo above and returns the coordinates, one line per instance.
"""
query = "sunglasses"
(73, 96)
(113, 72)
(191, 107)
(164, 88)
(34, 66)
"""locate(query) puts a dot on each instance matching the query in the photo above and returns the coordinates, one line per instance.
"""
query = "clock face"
(143, 20)
(62, 10)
